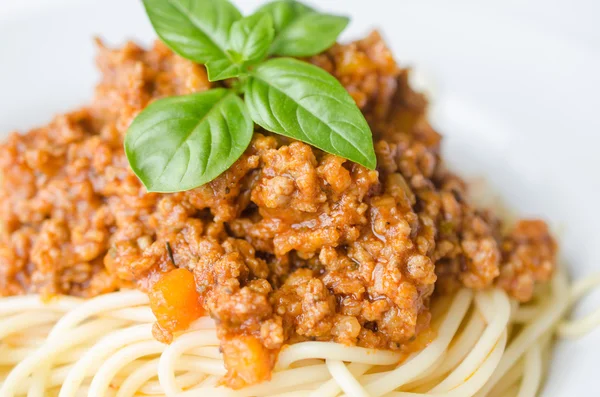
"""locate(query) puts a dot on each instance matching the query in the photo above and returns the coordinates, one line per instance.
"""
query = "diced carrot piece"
(175, 301)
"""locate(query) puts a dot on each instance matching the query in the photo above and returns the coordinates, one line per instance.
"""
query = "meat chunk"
(528, 257)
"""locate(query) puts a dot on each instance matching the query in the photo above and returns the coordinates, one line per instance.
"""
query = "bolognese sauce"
(290, 244)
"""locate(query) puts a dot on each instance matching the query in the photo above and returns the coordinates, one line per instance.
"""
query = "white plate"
(516, 95)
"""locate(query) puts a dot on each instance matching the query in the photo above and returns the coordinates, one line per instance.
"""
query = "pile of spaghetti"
(294, 273)
(486, 345)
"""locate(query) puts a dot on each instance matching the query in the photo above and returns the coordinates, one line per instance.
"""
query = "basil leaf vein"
(302, 31)
(301, 101)
(299, 39)
(251, 37)
(284, 12)
(197, 30)
(179, 143)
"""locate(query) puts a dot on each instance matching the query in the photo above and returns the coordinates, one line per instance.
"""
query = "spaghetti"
(486, 345)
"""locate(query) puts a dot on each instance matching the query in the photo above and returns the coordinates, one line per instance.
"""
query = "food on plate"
(249, 208)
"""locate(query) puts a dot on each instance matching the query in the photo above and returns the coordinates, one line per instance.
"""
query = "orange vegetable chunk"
(175, 301)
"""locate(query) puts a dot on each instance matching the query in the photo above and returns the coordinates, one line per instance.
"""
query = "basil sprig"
(180, 143)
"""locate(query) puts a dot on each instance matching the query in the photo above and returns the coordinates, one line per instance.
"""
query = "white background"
(516, 88)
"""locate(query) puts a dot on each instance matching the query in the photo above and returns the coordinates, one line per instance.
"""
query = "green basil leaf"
(251, 37)
(300, 30)
(179, 143)
(301, 101)
(308, 35)
(284, 12)
(223, 69)
(197, 30)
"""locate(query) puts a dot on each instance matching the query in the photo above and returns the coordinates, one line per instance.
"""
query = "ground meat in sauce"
(290, 244)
